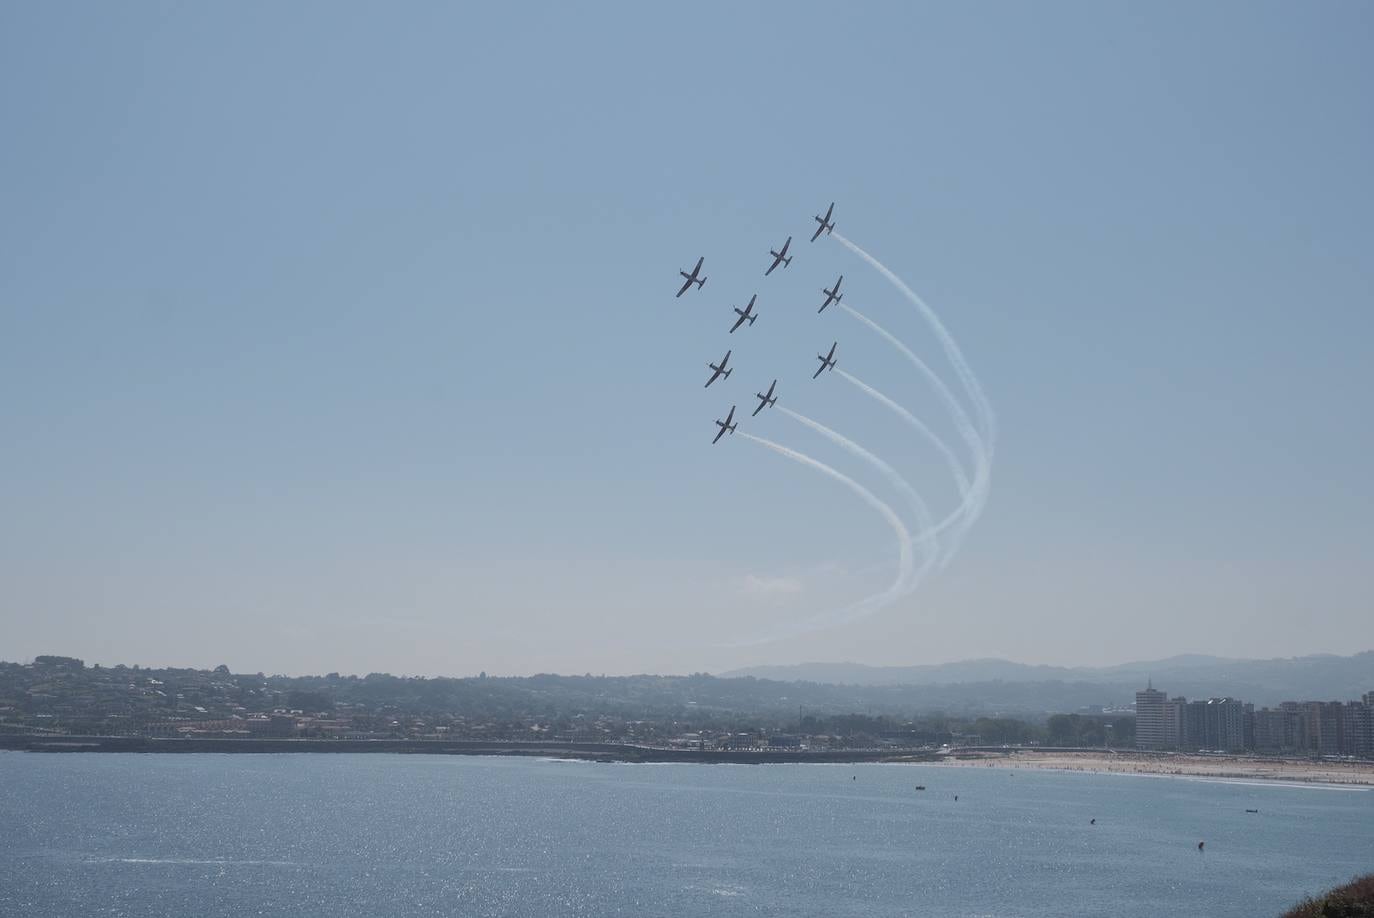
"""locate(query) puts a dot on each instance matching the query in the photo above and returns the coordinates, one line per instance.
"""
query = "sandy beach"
(1301, 771)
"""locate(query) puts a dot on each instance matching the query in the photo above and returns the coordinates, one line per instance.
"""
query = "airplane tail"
(787, 261)
(728, 372)
(701, 282)
(751, 319)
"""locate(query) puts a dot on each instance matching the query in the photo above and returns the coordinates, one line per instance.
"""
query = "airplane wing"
(698, 267)
(714, 377)
(786, 244)
(726, 359)
(720, 433)
(829, 210)
(762, 401)
(771, 387)
(818, 370)
(687, 283)
(819, 227)
(738, 322)
(831, 355)
(730, 417)
(777, 260)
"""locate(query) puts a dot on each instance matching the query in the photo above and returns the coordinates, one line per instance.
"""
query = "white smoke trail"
(956, 467)
(956, 410)
(956, 356)
(930, 548)
(982, 458)
(966, 495)
(904, 559)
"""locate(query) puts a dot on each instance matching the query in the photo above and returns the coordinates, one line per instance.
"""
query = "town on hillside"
(58, 696)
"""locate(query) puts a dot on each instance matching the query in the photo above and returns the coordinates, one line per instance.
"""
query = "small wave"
(188, 861)
(726, 890)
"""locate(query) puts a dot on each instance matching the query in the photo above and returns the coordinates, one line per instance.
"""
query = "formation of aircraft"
(725, 426)
(747, 313)
(833, 295)
(765, 398)
(692, 278)
(825, 224)
(719, 370)
(827, 362)
(779, 258)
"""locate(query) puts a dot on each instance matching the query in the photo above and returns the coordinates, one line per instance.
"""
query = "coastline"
(1357, 775)
(592, 752)
(1175, 765)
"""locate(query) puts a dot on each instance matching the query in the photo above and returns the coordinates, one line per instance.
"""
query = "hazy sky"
(342, 336)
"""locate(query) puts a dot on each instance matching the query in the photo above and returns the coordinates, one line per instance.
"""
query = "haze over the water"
(348, 342)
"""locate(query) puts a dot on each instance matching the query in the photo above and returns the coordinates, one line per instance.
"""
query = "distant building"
(1360, 733)
(1223, 724)
(45, 659)
(1175, 710)
(1149, 718)
(1276, 730)
(1324, 722)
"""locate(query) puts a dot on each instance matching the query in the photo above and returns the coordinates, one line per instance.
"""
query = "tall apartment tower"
(1175, 735)
(1324, 723)
(1224, 720)
(1361, 736)
(1149, 718)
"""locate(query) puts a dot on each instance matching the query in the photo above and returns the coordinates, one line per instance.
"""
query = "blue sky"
(341, 337)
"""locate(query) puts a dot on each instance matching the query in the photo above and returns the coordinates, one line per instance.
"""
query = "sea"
(417, 835)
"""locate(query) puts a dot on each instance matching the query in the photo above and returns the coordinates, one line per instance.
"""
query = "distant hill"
(1324, 677)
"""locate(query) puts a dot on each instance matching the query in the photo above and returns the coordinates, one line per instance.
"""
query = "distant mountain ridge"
(1317, 677)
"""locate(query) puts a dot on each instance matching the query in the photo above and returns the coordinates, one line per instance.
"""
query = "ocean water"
(393, 835)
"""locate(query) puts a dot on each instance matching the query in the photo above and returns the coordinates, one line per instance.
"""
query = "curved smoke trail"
(930, 548)
(956, 410)
(872, 604)
(966, 497)
(982, 456)
(956, 356)
(956, 467)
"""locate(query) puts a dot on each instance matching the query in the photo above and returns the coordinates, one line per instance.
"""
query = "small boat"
(1252, 811)
(920, 787)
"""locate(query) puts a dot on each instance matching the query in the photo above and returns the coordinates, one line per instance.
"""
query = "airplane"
(832, 296)
(725, 426)
(826, 225)
(692, 278)
(779, 258)
(827, 362)
(746, 313)
(719, 370)
(765, 399)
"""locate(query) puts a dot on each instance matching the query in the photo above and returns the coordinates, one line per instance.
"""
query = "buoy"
(1093, 821)
(1199, 846)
